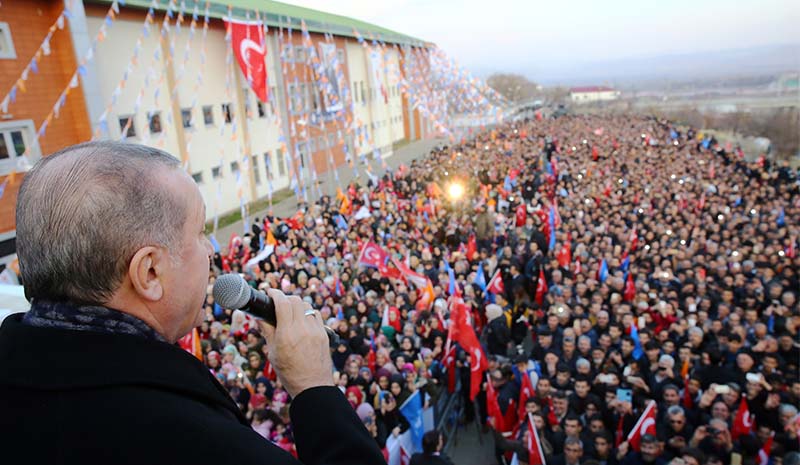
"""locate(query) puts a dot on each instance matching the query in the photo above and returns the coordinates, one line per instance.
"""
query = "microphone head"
(231, 291)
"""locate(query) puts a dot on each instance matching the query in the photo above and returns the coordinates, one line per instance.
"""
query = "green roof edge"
(277, 13)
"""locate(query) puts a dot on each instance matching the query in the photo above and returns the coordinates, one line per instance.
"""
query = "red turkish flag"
(522, 215)
(191, 343)
(372, 255)
(565, 254)
(535, 452)
(496, 285)
(763, 454)
(526, 391)
(645, 425)
(743, 423)
(630, 289)
(464, 334)
(495, 419)
(450, 364)
(541, 288)
(250, 48)
(472, 247)
(634, 239)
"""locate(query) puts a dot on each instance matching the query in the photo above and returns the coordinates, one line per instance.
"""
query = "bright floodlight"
(455, 191)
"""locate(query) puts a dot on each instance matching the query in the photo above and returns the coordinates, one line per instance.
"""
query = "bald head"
(84, 211)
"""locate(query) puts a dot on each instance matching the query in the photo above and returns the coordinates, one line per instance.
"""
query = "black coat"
(79, 397)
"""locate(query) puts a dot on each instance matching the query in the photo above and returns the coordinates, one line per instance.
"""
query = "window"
(355, 92)
(281, 162)
(256, 173)
(227, 113)
(363, 93)
(7, 50)
(287, 52)
(315, 101)
(127, 126)
(296, 98)
(186, 117)
(331, 140)
(234, 167)
(340, 56)
(15, 139)
(321, 143)
(155, 123)
(268, 165)
(216, 172)
(312, 145)
(304, 97)
(208, 115)
(262, 109)
(300, 54)
(198, 177)
(247, 109)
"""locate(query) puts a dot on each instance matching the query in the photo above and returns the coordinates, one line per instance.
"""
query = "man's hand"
(298, 345)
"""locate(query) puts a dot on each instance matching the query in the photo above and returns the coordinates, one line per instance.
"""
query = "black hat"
(544, 331)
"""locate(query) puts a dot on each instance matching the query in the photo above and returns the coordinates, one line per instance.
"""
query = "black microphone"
(232, 291)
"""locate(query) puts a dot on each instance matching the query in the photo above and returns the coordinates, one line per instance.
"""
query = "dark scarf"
(66, 315)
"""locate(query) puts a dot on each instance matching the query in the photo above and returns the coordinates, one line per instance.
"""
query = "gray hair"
(787, 409)
(573, 441)
(675, 410)
(84, 211)
(667, 359)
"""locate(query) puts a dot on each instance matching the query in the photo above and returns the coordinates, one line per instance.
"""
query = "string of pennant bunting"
(433, 83)
(102, 127)
(23, 163)
(33, 64)
(201, 70)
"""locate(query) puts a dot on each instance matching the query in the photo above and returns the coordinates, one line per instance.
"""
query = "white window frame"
(29, 136)
(11, 53)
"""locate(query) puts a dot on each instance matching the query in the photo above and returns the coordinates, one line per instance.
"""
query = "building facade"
(592, 94)
(161, 73)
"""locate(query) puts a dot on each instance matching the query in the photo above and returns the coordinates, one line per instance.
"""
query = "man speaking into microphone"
(114, 260)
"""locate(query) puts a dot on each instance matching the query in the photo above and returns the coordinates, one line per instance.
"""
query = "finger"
(267, 330)
(283, 307)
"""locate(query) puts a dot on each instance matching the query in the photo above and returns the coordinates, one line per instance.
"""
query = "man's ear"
(146, 272)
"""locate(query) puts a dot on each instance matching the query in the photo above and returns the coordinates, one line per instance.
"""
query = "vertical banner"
(376, 63)
(330, 78)
(250, 48)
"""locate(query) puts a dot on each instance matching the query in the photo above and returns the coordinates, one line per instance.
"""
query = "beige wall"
(210, 145)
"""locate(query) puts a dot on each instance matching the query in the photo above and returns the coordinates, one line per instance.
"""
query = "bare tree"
(514, 87)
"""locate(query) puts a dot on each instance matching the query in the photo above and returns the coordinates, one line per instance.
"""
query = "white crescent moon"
(247, 45)
(371, 254)
(476, 354)
(647, 423)
(747, 421)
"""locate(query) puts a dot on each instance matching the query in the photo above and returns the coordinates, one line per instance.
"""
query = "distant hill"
(756, 61)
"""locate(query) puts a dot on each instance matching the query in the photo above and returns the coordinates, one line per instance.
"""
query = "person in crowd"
(600, 254)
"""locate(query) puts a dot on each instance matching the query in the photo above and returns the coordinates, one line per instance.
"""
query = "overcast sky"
(533, 36)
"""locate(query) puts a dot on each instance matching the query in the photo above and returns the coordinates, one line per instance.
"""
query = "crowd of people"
(619, 263)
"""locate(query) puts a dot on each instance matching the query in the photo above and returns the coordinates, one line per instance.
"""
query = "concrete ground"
(470, 447)
(288, 206)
